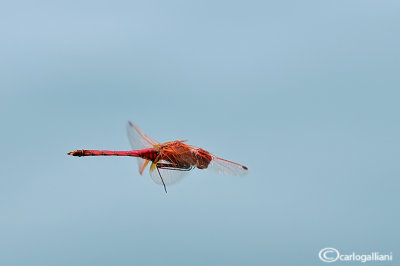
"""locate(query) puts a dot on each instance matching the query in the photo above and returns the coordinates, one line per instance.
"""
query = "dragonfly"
(169, 161)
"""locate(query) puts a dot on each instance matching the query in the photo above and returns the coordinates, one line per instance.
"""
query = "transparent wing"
(169, 176)
(139, 140)
(226, 167)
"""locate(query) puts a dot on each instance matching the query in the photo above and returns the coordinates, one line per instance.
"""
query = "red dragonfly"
(169, 160)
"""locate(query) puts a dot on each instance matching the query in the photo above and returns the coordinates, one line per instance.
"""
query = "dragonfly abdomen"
(148, 154)
(102, 153)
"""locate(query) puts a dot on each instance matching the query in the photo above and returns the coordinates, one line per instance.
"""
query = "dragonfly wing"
(170, 176)
(139, 140)
(226, 167)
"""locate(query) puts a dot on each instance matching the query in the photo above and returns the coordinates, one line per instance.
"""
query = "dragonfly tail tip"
(76, 153)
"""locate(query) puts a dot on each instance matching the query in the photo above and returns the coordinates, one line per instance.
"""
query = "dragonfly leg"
(162, 180)
(168, 166)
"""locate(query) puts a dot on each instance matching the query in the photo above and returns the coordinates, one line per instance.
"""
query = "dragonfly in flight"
(169, 160)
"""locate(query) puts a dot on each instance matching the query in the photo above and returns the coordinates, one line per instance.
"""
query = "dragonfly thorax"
(184, 156)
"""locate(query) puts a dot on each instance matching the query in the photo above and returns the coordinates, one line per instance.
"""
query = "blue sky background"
(305, 93)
